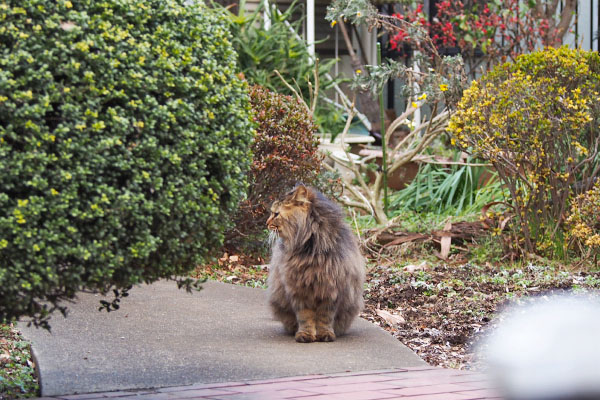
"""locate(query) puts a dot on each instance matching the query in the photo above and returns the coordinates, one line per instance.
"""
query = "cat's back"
(333, 227)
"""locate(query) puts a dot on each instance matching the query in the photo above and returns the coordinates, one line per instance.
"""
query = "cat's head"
(289, 214)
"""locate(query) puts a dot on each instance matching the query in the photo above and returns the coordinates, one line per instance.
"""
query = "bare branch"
(566, 16)
(293, 90)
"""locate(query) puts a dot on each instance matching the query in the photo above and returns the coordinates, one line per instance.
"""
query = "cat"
(316, 273)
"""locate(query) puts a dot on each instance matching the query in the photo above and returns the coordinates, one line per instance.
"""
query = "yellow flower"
(358, 71)
(443, 87)
(422, 97)
(415, 105)
(333, 23)
(593, 240)
(358, 14)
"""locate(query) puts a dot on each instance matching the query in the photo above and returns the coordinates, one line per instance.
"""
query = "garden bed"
(447, 308)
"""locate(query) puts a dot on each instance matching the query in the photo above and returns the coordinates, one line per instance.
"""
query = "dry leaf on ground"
(391, 319)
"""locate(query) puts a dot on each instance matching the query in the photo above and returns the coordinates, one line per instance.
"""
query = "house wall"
(586, 27)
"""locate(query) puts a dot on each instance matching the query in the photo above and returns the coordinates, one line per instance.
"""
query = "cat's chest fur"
(307, 274)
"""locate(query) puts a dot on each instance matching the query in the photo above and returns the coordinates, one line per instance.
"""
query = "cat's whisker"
(273, 236)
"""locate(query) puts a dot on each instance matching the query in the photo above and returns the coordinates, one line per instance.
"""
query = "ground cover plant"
(466, 186)
(17, 375)
(124, 142)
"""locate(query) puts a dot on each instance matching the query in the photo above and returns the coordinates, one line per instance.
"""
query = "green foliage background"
(124, 141)
(261, 51)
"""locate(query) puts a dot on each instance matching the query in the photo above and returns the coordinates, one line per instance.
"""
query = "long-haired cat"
(316, 273)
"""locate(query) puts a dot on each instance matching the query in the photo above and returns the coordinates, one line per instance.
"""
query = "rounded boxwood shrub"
(124, 143)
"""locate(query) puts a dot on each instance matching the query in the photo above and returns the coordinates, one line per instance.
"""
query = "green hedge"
(124, 141)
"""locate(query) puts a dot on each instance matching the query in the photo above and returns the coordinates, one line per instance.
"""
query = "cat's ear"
(302, 194)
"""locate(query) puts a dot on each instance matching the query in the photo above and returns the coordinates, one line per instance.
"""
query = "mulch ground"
(442, 311)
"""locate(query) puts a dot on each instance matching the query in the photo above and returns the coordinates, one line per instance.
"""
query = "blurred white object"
(548, 349)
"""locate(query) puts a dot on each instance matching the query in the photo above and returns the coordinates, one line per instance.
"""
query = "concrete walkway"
(165, 337)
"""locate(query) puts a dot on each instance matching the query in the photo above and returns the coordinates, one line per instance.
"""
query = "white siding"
(585, 27)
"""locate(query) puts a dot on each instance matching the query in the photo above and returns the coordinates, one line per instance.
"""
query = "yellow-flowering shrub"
(584, 221)
(536, 121)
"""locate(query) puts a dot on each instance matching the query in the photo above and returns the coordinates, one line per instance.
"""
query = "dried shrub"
(285, 152)
(536, 120)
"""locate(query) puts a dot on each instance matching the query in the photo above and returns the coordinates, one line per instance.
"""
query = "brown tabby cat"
(316, 273)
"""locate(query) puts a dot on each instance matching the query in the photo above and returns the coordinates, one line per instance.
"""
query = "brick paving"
(417, 383)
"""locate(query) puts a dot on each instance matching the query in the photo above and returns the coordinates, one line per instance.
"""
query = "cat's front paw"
(305, 337)
(325, 336)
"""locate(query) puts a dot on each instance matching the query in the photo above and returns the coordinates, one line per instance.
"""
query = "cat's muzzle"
(273, 228)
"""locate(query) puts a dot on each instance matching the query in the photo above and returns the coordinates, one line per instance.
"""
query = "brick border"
(417, 383)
